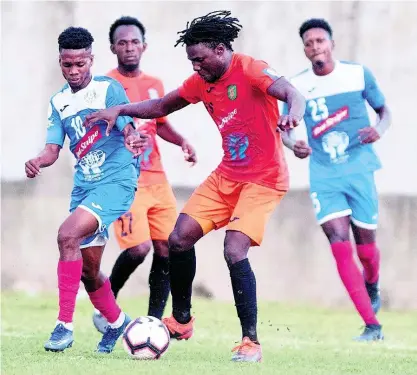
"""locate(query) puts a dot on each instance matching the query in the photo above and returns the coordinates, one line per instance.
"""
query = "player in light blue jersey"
(104, 185)
(343, 162)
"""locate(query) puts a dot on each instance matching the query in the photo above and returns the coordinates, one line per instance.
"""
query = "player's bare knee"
(90, 272)
(140, 251)
(177, 243)
(363, 236)
(337, 236)
(337, 230)
(161, 248)
(236, 247)
(67, 238)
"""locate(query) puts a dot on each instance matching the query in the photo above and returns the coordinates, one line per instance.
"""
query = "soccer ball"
(146, 338)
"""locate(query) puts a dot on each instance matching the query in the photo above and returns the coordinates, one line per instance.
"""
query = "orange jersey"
(137, 89)
(246, 117)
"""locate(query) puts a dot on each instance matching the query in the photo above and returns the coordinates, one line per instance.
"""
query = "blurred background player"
(152, 216)
(240, 94)
(343, 162)
(104, 185)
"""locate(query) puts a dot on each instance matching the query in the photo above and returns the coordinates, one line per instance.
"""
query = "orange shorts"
(241, 206)
(152, 216)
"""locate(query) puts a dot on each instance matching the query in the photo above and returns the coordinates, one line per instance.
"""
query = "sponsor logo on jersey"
(86, 142)
(331, 121)
(226, 119)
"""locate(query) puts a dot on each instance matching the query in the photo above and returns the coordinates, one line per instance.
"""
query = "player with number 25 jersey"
(343, 162)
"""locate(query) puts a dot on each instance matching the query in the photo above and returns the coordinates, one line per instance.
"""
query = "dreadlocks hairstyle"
(315, 23)
(126, 21)
(213, 28)
(75, 38)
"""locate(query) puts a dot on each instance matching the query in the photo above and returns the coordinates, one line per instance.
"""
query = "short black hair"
(126, 21)
(314, 23)
(75, 38)
(213, 28)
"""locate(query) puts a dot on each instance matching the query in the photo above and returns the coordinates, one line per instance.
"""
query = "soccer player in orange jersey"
(152, 215)
(240, 93)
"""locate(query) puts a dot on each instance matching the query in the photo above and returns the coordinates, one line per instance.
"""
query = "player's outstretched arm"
(167, 132)
(284, 91)
(48, 156)
(148, 109)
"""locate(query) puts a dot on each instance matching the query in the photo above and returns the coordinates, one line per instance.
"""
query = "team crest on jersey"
(232, 92)
(90, 96)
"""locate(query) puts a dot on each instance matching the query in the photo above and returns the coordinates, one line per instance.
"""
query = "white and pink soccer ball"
(146, 338)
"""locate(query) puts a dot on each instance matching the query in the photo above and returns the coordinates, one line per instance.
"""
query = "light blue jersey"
(341, 168)
(99, 158)
(335, 112)
(105, 177)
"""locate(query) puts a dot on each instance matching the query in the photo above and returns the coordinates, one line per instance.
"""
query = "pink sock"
(353, 280)
(369, 256)
(104, 301)
(69, 276)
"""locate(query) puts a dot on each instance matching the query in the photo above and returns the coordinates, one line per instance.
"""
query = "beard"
(130, 67)
(319, 64)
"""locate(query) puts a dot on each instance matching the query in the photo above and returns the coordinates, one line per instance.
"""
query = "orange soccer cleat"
(247, 351)
(177, 330)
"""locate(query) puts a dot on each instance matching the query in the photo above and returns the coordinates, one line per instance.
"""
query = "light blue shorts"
(106, 202)
(354, 195)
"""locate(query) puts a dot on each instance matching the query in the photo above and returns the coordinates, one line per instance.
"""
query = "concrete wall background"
(294, 263)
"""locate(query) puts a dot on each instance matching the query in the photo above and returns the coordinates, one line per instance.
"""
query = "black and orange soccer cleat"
(177, 330)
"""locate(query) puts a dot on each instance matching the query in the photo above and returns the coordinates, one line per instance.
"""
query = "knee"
(337, 235)
(337, 230)
(90, 273)
(236, 247)
(177, 242)
(66, 236)
(161, 248)
(140, 251)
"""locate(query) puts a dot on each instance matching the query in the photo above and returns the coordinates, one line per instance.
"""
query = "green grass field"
(296, 340)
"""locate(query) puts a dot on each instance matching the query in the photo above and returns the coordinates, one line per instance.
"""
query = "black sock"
(158, 286)
(124, 266)
(182, 267)
(244, 291)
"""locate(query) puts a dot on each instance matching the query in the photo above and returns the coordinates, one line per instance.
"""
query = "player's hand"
(108, 115)
(32, 168)
(302, 149)
(368, 135)
(189, 152)
(136, 142)
(287, 122)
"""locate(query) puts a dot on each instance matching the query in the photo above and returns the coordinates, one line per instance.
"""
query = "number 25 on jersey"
(318, 109)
